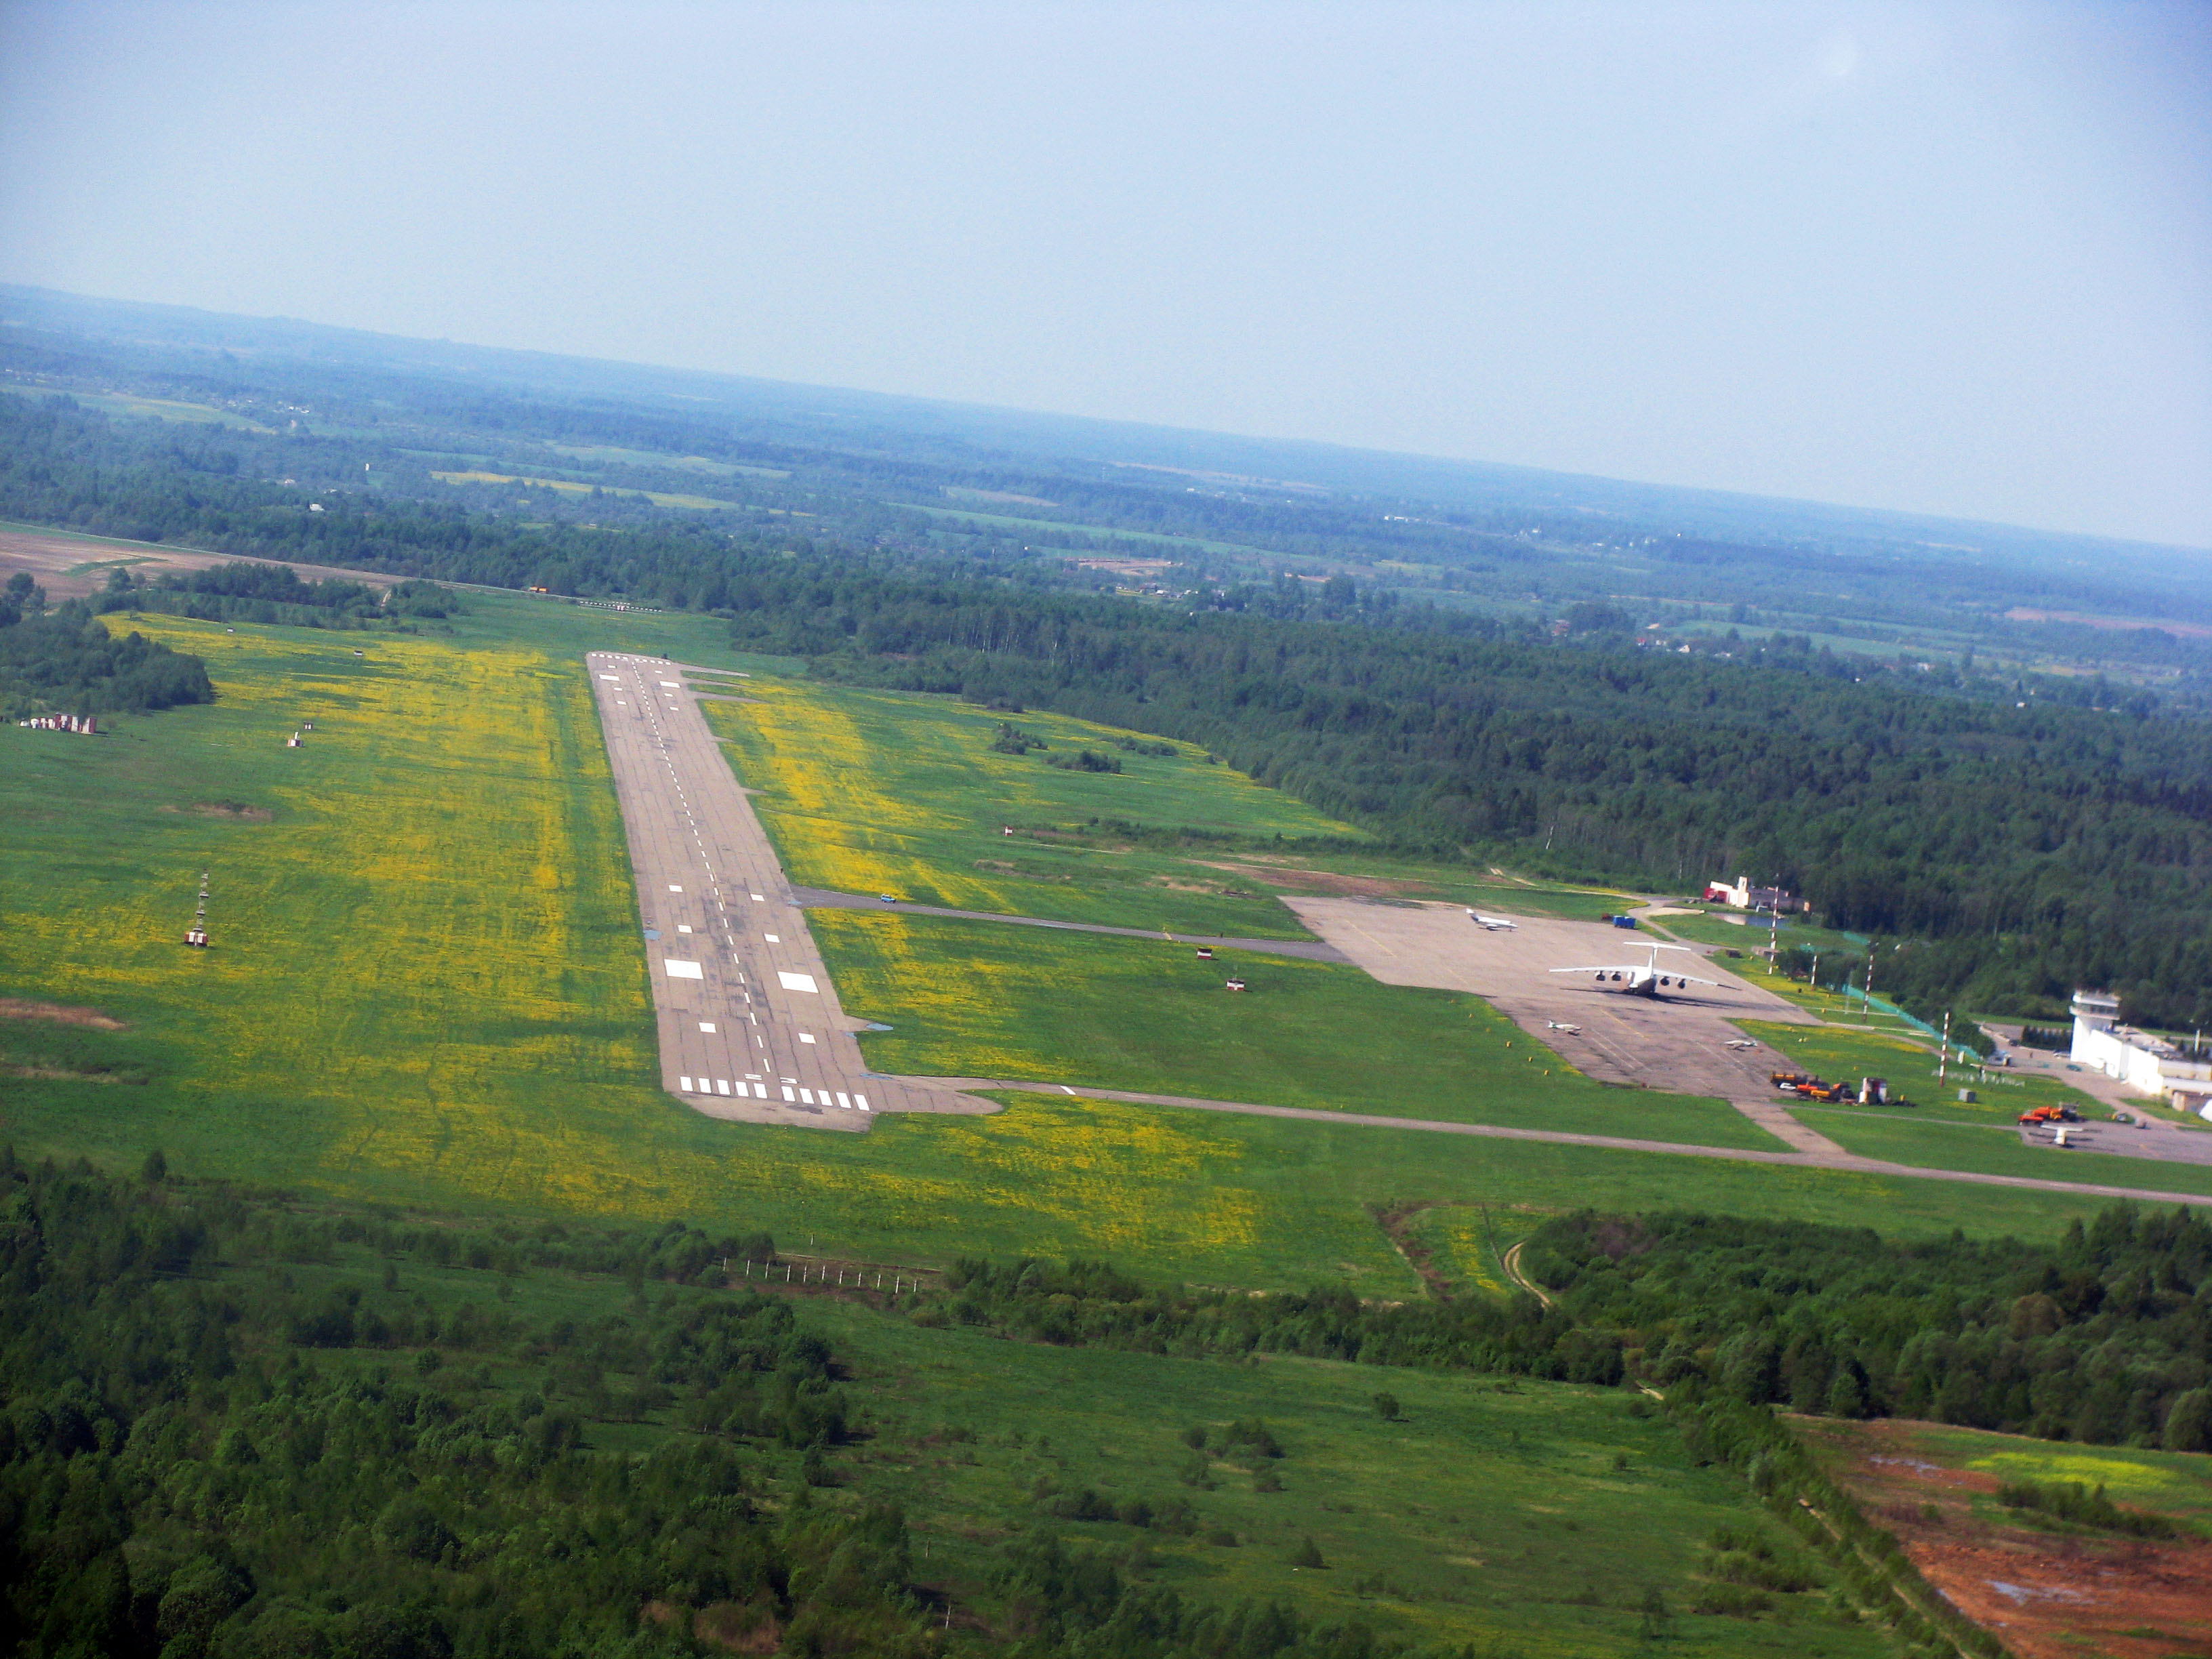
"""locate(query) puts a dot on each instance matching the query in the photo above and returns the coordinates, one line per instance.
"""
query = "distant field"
(118, 402)
(427, 988)
(652, 458)
(873, 791)
(569, 486)
(974, 1000)
(1002, 521)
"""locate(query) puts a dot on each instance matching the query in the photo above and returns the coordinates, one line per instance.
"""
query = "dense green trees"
(63, 662)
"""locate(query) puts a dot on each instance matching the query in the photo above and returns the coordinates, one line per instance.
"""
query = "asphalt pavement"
(747, 1017)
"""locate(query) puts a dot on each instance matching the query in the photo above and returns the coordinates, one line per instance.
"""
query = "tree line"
(64, 661)
(2103, 1337)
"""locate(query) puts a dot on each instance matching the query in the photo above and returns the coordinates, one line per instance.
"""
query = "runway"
(748, 1019)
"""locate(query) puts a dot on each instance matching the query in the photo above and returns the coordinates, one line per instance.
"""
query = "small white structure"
(1741, 895)
(2148, 1065)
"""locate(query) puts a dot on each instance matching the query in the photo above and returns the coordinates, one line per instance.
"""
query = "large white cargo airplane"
(1644, 979)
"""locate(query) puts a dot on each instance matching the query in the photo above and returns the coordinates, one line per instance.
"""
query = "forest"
(213, 1444)
(1997, 851)
(63, 661)
(2103, 1337)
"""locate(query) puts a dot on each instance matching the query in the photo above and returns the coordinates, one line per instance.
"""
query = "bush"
(1308, 1554)
(1086, 760)
(2070, 1501)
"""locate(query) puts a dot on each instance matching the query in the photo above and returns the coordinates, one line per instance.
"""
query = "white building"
(2145, 1064)
(1742, 896)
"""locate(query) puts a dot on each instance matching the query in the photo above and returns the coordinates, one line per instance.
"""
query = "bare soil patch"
(60, 1012)
(2048, 1595)
(54, 560)
(1331, 882)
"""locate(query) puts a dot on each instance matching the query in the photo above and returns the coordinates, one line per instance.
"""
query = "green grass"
(874, 791)
(1988, 1150)
(427, 988)
(1712, 927)
(968, 999)
(1489, 1513)
(1532, 1514)
(1941, 1132)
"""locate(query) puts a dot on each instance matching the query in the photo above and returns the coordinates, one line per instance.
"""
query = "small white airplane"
(1492, 924)
(1561, 1025)
(1739, 1043)
(1644, 979)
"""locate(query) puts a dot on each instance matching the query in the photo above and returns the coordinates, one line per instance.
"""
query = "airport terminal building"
(2148, 1065)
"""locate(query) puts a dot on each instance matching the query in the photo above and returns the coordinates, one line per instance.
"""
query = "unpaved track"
(1836, 1160)
(821, 898)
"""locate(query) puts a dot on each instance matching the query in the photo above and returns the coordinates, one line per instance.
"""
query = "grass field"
(1941, 1131)
(118, 402)
(1537, 1515)
(426, 988)
(968, 999)
(567, 486)
(870, 791)
(653, 457)
(1531, 1516)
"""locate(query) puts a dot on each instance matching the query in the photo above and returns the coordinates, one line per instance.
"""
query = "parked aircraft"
(1644, 979)
(1561, 1025)
(1492, 924)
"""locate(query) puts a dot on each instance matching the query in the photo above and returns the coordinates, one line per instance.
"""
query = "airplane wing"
(1694, 980)
(1611, 968)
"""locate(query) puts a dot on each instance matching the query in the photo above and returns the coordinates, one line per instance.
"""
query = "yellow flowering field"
(427, 988)
(875, 792)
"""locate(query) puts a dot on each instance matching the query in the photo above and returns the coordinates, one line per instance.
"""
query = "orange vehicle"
(1816, 1089)
(2050, 1114)
(1790, 1079)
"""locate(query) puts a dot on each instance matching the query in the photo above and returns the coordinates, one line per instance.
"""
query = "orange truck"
(2050, 1114)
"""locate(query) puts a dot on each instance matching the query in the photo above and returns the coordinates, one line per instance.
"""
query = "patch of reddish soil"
(60, 1013)
(2046, 1595)
(1323, 881)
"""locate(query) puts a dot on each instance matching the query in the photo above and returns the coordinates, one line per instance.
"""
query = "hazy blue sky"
(1949, 257)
